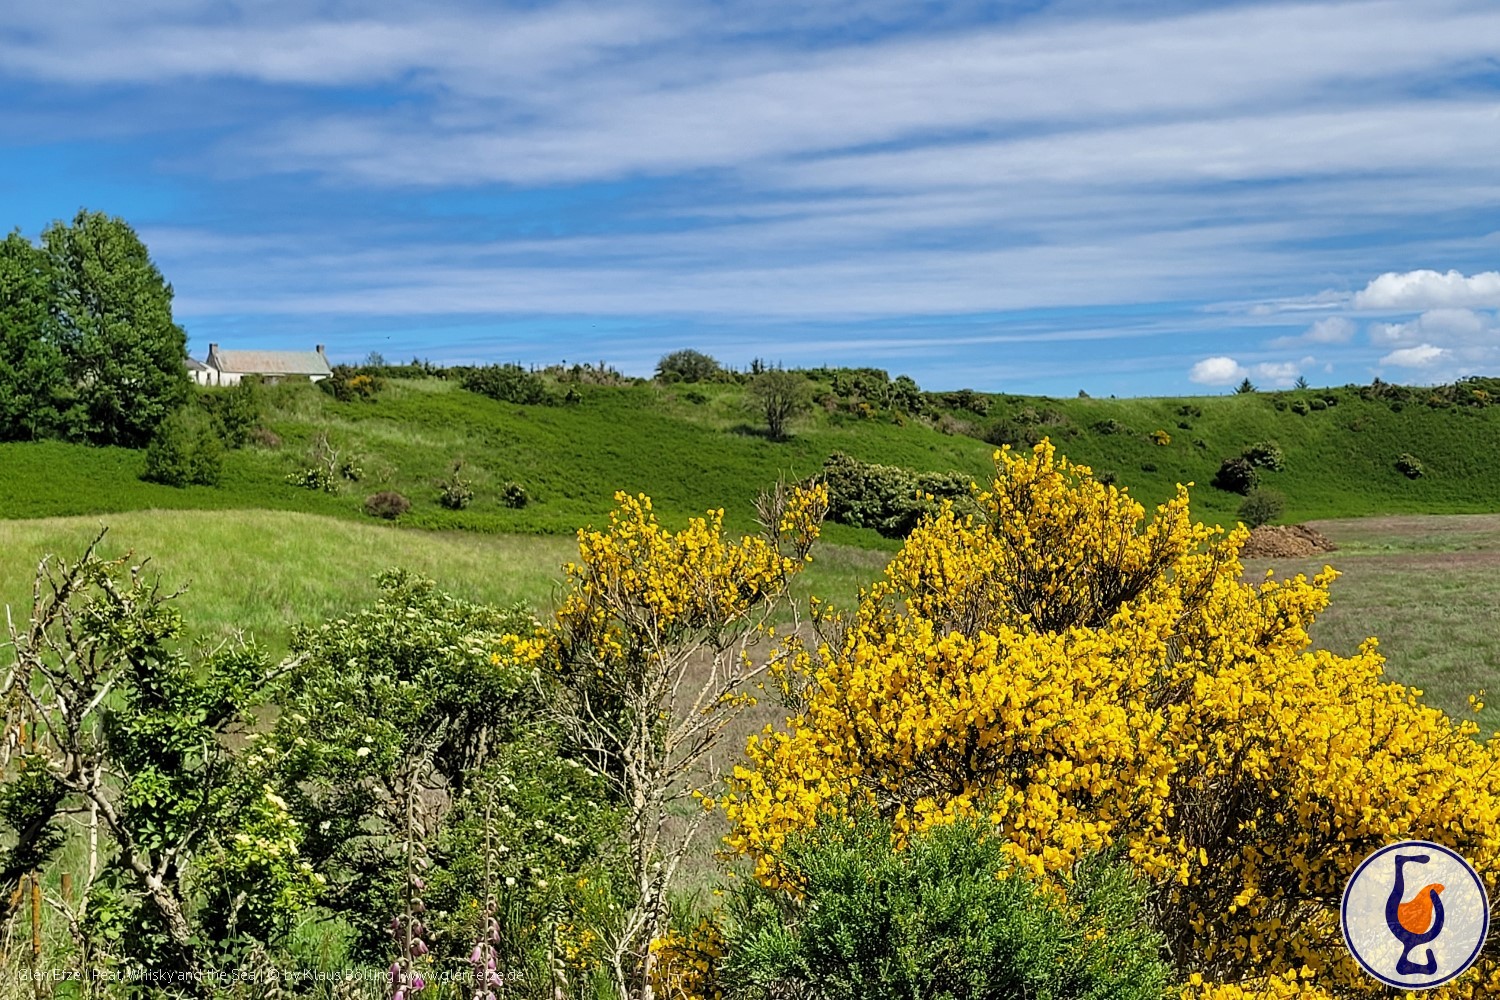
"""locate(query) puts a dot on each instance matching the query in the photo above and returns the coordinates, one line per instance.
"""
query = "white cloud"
(1451, 326)
(1329, 330)
(1217, 371)
(1424, 289)
(1421, 356)
(1278, 373)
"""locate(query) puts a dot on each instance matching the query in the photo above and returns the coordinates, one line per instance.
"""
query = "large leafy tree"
(114, 313)
(32, 378)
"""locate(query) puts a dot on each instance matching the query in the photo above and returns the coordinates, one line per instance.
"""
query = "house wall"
(233, 378)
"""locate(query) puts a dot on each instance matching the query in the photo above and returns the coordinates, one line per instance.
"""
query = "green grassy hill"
(690, 448)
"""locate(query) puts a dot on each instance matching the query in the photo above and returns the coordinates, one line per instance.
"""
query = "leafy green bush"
(887, 498)
(313, 478)
(689, 366)
(1017, 435)
(1301, 408)
(1318, 403)
(348, 384)
(387, 504)
(1409, 466)
(1236, 475)
(185, 451)
(236, 410)
(422, 691)
(1110, 426)
(1265, 455)
(963, 399)
(948, 916)
(1262, 507)
(508, 384)
(514, 496)
(454, 491)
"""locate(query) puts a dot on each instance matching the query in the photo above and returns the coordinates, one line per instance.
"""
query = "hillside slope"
(691, 448)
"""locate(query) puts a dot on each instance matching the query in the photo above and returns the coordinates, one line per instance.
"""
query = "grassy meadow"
(695, 447)
(258, 555)
(259, 572)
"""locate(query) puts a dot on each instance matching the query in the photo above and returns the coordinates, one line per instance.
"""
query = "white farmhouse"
(228, 367)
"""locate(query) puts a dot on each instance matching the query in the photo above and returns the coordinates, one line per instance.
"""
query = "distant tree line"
(88, 347)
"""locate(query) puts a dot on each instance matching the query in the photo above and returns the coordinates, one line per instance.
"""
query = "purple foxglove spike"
(476, 957)
(395, 971)
(400, 995)
(490, 965)
(418, 984)
(419, 948)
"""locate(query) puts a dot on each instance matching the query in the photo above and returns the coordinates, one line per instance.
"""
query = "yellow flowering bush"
(1082, 675)
(685, 963)
(650, 654)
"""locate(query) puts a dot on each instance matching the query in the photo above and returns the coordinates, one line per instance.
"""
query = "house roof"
(194, 365)
(272, 362)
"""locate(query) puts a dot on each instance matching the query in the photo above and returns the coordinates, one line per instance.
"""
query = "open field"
(693, 447)
(260, 572)
(1429, 588)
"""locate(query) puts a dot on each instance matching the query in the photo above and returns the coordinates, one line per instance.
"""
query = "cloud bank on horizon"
(1115, 195)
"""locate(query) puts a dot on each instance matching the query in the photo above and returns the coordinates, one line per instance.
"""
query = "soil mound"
(1285, 541)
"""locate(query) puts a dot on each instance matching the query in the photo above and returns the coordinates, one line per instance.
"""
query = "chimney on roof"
(213, 348)
(319, 348)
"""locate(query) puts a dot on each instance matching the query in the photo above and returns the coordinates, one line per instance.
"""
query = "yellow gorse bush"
(685, 965)
(637, 584)
(1084, 675)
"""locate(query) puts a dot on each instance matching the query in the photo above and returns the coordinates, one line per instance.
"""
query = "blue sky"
(1123, 197)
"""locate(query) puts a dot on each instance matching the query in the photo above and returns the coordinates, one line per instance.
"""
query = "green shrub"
(1236, 475)
(508, 384)
(947, 916)
(1110, 426)
(1265, 455)
(419, 692)
(236, 410)
(887, 498)
(964, 399)
(1003, 432)
(313, 477)
(454, 491)
(689, 366)
(348, 384)
(1318, 403)
(1189, 410)
(1262, 507)
(387, 504)
(1301, 408)
(185, 450)
(1409, 466)
(514, 496)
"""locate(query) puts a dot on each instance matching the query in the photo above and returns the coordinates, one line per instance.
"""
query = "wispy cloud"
(1226, 169)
